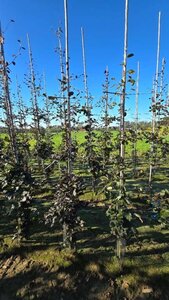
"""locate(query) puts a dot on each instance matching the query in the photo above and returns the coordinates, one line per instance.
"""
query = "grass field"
(79, 137)
(40, 269)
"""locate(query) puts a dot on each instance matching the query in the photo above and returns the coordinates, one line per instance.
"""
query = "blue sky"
(103, 23)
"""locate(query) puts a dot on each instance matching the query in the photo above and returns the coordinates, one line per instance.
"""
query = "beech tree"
(119, 212)
(17, 181)
(69, 186)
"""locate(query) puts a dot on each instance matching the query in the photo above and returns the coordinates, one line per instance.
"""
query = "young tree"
(17, 181)
(69, 187)
(136, 118)
(34, 94)
(6, 99)
(119, 213)
(153, 106)
(90, 137)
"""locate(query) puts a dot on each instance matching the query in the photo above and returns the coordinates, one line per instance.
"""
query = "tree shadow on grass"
(85, 278)
(73, 282)
(152, 285)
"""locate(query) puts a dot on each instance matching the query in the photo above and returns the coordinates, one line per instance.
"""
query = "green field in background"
(79, 137)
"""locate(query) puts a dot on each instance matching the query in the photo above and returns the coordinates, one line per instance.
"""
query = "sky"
(103, 23)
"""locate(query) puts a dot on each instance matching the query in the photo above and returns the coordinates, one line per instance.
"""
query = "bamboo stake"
(35, 105)
(154, 98)
(22, 115)
(123, 97)
(7, 101)
(84, 69)
(120, 243)
(106, 107)
(60, 52)
(69, 139)
(161, 84)
(152, 144)
(88, 107)
(106, 97)
(136, 115)
(46, 103)
(62, 73)
(34, 93)
(137, 96)
(22, 123)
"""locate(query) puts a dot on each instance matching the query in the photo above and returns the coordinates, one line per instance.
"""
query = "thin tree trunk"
(161, 86)
(7, 101)
(22, 123)
(122, 123)
(136, 117)
(46, 104)
(62, 73)
(69, 138)
(84, 69)
(35, 104)
(88, 107)
(68, 235)
(154, 99)
(34, 93)
(106, 97)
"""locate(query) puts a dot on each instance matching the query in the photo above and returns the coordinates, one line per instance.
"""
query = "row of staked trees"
(102, 155)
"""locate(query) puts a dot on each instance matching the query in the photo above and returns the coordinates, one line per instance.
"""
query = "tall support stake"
(7, 100)
(123, 97)
(120, 243)
(154, 100)
(106, 112)
(21, 110)
(46, 103)
(62, 73)
(161, 84)
(89, 109)
(84, 69)
(22, 125)
(69, 138)
(136, 115)
(34, 93)
(137, 96)
(106, 98)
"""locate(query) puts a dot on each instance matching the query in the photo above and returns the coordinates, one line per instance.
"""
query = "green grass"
(46, 268)
(44, 271)
(79, 136)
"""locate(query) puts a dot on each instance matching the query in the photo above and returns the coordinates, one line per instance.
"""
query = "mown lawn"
(40, 269)
(79, 136)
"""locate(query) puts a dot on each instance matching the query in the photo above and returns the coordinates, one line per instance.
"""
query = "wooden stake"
(136, 116)
(137, 96)
(69, 139)
(84, 69)
(106, 97)
(121, 241)
(34, 93)
(7, 100)
(154, 99)
(123, 97)
(46, 104)
(62, 73)
(161, 84)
